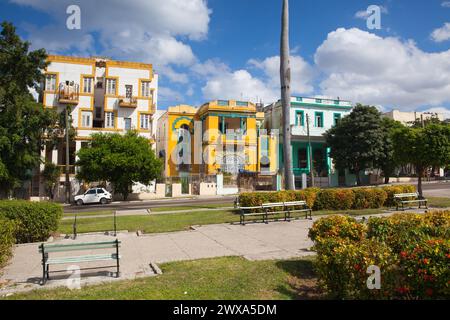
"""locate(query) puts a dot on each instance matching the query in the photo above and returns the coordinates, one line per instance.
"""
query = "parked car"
(94, 195)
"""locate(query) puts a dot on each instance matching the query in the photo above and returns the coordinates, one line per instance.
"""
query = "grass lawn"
(439, 202)
(172, 221)
(229, 278)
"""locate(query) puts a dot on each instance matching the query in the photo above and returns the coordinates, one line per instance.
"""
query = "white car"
(94, 195)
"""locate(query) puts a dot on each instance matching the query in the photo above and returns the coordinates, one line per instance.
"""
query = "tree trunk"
(419, 182)
(285, 79)
(386, 179)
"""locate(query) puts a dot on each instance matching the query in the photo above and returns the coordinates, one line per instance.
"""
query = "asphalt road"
(225, 200)
(430, 190)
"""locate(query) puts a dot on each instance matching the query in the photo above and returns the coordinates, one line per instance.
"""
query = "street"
(430, 190)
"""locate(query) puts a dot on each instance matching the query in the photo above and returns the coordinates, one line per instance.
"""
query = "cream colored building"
(102, 95)
(407, 118)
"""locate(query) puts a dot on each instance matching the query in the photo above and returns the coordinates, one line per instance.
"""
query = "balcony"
(302, 131)
(69, 93)
(130, 102)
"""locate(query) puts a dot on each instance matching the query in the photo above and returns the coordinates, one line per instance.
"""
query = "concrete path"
(277, 240)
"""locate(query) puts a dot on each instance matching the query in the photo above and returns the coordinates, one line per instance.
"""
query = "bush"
(330, 199)
(412, 252)
(335, 199)
(34, 221)
(369, 198)
(7, 230)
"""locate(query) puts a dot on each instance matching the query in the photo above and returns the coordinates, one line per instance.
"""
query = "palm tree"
(285, 77)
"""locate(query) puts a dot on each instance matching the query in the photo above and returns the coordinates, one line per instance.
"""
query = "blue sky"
(224, 49)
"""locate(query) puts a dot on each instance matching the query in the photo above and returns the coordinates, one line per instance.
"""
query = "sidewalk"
(277, 240)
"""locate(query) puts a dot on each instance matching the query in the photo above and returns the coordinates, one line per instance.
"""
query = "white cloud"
(222, 82)
(364, 67)
(302, 73)
(142, 30)
(446, 4)
(441, 34)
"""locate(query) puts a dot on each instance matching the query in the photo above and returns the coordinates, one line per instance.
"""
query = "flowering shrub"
(335, 199)
(412, 252)
(392, 190)
(369, 198)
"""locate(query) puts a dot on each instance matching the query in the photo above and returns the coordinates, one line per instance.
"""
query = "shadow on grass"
(302, 283)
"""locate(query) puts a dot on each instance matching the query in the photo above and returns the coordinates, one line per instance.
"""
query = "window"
(302, 158)
(223, 103)
(299, 99)
(318, 100)
(241, 104)
(336, 118)
(145, 121)
(318, 119)
(299, 118)
(50, 82)
(127, 123)
(111, 86)
(100, 191)
(92, 191)
(88, 85)
(86, 119)
(145, 89)
(109, 120)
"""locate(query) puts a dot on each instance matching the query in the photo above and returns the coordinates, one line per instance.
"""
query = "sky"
(229, 49)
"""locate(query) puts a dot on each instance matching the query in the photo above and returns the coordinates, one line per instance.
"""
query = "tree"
(387, 162)
(356, 142)
(423, 148)
(285, 77)
(23, 121)
(120, 160)
(51, 174)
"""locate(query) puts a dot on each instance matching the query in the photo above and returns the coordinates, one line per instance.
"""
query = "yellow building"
(224, 135)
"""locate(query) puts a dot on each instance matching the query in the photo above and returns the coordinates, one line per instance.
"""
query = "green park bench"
(408, 199)
(272, 209)
(45, 249)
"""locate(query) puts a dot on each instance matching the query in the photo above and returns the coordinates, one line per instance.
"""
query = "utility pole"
(67, 156)
(311, 166)
(285, 77)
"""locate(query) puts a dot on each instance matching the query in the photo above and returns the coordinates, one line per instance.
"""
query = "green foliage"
(423, 147)
(412, 252)
(51, 174)
(369, 198)
(387, 162)
(35, 221)
(120, 159)
(357, 141)
(253, 199)
(7, 230)
(23, 121)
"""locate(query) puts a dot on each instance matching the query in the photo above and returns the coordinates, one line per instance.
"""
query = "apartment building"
(315, 115)
(408, 117)
(102, 95)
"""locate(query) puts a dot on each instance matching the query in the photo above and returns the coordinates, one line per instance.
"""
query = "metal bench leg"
(48, 272)
(118, 259)
(267, 218)
(44, 274)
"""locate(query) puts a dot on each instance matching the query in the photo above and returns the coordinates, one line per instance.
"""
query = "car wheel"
(103, 201)
(79, 202)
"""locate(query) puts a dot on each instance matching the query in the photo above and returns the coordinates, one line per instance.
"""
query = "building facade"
(315, 115)
(102, 95)
(225, 136)
(408, 118)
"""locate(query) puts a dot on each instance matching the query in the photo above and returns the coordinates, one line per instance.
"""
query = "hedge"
(34, 221)
(330, 199)
(412, 252)
(7, 230)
